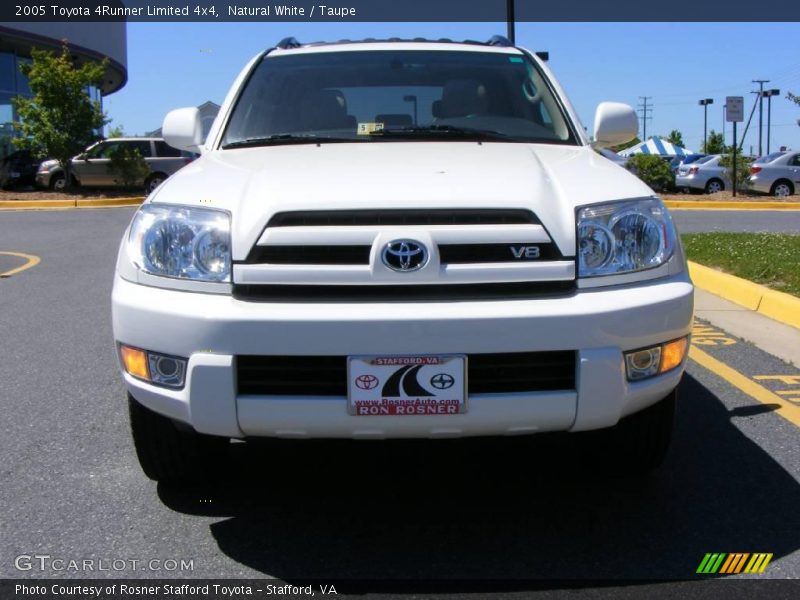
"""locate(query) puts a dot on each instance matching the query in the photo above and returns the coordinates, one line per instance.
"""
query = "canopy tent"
(656, 146)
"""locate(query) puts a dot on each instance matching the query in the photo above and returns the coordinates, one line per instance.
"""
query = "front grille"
(320, 218)
(402, 293)
(327, 375)
(359, 255)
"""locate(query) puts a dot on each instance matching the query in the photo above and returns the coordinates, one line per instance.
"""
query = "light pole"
(704, 103)
(768, 94)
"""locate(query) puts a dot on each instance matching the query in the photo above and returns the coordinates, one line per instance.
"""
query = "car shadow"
(520, 509)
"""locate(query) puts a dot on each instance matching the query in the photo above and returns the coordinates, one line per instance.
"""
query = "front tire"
(639, 442)
(58, 182)
(153, 182)
(172, 455)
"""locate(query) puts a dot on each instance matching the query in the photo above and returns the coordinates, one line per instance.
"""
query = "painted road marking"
(787, 409)
(791, 381)
(31, 261)
(705, 335)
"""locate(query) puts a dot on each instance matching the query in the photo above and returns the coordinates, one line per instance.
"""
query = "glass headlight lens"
(623, 237)
(186, 243)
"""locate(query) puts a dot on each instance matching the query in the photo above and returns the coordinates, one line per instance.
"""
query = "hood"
(255, 183)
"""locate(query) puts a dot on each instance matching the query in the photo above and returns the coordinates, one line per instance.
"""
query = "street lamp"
(768, 94)
(704, 103)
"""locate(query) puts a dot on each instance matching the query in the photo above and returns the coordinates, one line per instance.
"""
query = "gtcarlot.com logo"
(47, 562)
(724, 563)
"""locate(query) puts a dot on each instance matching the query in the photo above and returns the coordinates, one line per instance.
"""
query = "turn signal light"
(135, 362)
(672, 354)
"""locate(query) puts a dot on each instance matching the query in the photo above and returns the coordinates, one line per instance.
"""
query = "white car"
(777, 174)
(399, 239)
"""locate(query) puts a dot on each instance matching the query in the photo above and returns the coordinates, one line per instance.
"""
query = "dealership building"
(86, 41)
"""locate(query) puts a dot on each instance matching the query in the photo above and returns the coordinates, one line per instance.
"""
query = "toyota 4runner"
(399, 239)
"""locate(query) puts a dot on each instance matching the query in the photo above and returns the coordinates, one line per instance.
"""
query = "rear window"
(769, 157)
(704, 159)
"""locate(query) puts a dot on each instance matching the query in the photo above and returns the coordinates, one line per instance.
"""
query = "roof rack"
(289, 43)
(499, 40)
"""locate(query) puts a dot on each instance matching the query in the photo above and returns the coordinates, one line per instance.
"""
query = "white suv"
(397, 239)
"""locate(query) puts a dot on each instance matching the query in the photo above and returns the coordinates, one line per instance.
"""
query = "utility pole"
(769, 94)
(761, 83)
(643, 110)
(704, 103)
(510, 20)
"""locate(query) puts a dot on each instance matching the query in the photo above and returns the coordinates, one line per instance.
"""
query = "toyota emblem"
(404, 255)
(367, 382)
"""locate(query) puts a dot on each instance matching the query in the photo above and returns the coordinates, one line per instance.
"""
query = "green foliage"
(60, 119)
(653, 170)
(742, 169)
(715, 143)
(675, 137)
(766, 258)
(621, 147)
(115, 132)
(127, 165)
(793, 98)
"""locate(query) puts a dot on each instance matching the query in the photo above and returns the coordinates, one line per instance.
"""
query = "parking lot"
(514, 509)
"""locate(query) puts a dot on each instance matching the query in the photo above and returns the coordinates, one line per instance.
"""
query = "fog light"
(159, 369)
(672, 354)
(134, 362)
(166, 370)
(643, 363)
(648, 362)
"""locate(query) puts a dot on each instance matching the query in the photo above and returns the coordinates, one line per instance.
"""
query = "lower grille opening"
(402, 293)
(327, 375)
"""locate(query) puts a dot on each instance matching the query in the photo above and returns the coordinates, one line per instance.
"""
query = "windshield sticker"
(369, 128)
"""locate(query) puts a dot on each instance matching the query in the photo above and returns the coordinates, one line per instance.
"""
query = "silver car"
(777, 174)
(704, 174)
(90, 168)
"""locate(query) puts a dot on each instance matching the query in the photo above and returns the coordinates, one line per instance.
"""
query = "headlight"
(47, 165)
(623, 237)
(186, 243)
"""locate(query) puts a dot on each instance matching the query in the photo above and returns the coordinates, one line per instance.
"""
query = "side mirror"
(614, 123)
(183, 129)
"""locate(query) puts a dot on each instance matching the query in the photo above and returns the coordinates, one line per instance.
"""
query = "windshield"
(396, 95)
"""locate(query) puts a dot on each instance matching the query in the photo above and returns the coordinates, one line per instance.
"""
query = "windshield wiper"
(438, 131)
(285, 138)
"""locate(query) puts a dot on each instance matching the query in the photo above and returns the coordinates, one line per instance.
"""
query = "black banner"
(393, 11)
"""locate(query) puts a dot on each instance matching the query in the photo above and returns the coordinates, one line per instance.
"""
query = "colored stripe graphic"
(711, 562)
(758, 563)
(730, 564)
(734, 563)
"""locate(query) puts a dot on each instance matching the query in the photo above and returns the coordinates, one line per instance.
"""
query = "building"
(86, 41)
(208, 112)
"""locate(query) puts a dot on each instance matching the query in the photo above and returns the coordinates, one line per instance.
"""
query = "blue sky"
(171, 65)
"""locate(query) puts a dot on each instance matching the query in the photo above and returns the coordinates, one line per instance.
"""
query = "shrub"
(128, 165)
(742, 170)
(653, 170)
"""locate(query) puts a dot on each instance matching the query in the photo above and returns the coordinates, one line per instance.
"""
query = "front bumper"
(760, 184)
(43, 178)
(211, 330)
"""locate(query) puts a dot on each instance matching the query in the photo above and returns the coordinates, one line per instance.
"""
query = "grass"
(771, 259)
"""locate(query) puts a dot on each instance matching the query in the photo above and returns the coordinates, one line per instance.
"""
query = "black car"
(19, 168)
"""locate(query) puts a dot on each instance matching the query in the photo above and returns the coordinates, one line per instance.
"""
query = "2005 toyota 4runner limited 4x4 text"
(399, 239)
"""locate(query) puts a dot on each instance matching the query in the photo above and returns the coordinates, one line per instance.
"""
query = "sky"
(171, 65)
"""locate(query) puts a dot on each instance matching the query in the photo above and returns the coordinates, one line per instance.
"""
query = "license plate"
(406, 385)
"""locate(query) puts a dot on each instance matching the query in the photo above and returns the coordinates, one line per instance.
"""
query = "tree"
(653, 170)
(60, 120)
(128, 164)
(742, 169)
(675, 137)
(115, 132)
(621, 147)
(715, 143)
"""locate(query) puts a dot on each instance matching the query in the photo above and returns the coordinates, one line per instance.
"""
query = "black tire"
(152, 182)
(782, 188)
(639, 442)
(714, 185)
(57, 182)
(173, 455)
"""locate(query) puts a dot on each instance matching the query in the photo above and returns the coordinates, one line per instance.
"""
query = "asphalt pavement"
(530, 511)
(753, 221)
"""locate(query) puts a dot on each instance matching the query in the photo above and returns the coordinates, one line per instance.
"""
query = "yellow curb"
(77, 203)
(743, 205)
(770, 303)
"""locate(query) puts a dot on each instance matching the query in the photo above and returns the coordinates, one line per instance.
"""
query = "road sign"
(734, 109)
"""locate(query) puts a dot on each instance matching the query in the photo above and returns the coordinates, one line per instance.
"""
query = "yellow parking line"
(31, 259)
(787, 410)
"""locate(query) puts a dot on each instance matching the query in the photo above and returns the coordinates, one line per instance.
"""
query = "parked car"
(19, 168)
(687, 159)
(90, 168)
(322, 271)
(705, 174)
(777, 174)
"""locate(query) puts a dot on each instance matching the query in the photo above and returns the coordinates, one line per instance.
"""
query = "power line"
(643, 110)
